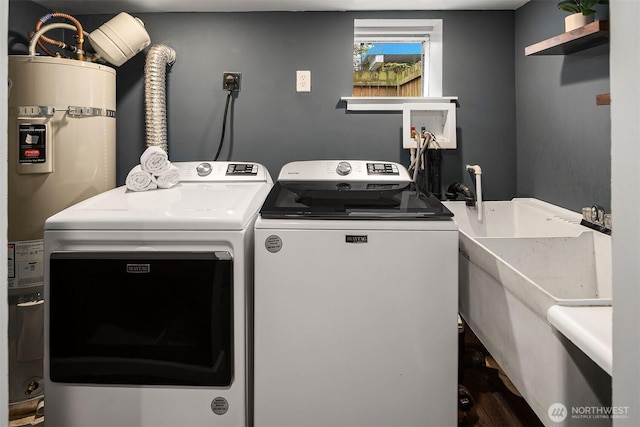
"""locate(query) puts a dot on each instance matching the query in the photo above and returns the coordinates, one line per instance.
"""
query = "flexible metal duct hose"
(158, 58)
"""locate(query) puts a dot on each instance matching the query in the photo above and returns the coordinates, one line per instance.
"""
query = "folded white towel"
(139, 180)
(168, 178)
(154, 160)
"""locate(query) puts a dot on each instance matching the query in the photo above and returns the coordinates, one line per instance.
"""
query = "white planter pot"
(576, 20)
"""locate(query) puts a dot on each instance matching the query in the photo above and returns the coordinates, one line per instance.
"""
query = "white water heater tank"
(61, 150)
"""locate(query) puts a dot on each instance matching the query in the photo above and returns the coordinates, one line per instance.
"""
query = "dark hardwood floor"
(494, 404)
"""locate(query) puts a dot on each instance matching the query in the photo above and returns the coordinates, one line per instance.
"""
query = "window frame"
(426, 31)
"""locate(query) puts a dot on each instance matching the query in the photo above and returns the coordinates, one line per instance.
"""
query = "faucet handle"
(597, 214)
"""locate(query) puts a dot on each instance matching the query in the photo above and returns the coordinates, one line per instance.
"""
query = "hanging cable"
(224, 126)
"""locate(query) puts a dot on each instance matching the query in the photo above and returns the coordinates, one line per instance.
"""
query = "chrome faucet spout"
(476, 174)
(597, 214)
(595, 218)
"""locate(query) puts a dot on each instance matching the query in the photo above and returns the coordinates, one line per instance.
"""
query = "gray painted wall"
(273, 124)
(563, 138)
(530, 122)
(23, 16)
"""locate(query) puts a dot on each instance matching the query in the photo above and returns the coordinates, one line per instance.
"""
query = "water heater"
(61, 150)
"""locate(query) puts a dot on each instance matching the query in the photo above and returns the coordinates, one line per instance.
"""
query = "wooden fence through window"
(388, 83)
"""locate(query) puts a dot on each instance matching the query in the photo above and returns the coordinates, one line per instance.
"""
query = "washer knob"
(203, 169)
(344, 168)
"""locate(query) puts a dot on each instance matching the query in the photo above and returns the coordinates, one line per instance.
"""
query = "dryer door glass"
(141, 318)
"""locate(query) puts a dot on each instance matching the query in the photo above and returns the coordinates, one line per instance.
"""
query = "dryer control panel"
(344, 170)
(212, 171)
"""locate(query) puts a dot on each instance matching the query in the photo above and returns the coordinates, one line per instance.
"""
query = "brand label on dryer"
(356, 239)
(138, 268)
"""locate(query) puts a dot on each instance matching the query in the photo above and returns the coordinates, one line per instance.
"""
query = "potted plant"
(582, 12)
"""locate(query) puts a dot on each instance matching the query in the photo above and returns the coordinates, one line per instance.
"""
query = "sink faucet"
(476, 174)
(597, 214)
(595, 218)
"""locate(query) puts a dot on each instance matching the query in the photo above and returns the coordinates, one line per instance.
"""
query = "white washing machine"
(356, 300)
(146, 297)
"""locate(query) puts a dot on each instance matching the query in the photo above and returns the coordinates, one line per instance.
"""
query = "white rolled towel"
(168, 178)
(154, 160)
(139, 180)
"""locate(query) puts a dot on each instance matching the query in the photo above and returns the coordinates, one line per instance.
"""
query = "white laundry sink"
(553, 270)
(521, 217)
(524, 258)
(537, 251)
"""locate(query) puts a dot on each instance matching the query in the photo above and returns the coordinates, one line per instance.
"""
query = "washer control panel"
(211, 171)
(382, 169)
(348, 170)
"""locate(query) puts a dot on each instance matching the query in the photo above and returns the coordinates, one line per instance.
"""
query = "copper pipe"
(56, 43)
(80, 37)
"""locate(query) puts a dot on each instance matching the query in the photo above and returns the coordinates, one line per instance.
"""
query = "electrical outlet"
(303, 81)
(231, 81)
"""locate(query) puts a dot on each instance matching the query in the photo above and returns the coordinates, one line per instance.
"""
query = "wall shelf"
(390, 103)
(603, 99)
(591, 35)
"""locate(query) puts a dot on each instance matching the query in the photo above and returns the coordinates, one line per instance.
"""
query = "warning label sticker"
(32, 140)
(26, 263)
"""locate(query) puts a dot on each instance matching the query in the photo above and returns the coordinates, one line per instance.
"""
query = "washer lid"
(349, 189)
(351, 200)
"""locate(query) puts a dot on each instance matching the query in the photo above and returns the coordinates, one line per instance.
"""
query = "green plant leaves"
(571, 6)
(580, 6)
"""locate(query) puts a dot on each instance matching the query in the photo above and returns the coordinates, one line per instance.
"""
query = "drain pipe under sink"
(476, 173)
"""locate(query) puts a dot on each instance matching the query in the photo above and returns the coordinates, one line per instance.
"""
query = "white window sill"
(389, 103)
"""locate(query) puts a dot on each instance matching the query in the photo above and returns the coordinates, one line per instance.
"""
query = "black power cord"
(224, 125)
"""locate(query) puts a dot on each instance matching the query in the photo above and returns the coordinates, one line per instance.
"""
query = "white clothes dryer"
(146, 302)
(356, 300)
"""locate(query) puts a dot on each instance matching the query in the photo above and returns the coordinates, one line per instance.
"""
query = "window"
(397, 57)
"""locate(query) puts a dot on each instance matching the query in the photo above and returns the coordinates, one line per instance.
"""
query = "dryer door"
(156, 318)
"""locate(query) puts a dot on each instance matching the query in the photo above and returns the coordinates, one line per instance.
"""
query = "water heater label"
(32, 140)
(26, 263)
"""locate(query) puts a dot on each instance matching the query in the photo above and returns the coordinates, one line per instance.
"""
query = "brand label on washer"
(273, 243)
(356, 239)
(219, 406)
